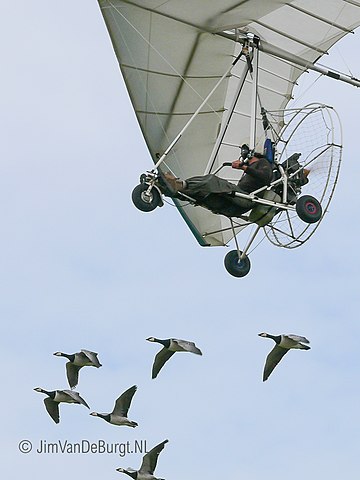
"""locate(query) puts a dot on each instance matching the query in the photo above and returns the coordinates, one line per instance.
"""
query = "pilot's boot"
(174, 182)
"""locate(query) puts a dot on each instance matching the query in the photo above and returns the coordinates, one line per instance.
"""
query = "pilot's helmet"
(245, 150)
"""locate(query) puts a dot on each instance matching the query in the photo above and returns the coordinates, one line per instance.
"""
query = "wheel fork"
(248, 245)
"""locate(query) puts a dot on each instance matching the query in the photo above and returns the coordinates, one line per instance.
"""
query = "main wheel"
(144, 200)
(235, 266)
(308, 209)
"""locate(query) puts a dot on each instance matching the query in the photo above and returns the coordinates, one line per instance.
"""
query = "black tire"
(308, 209)
(235, 266)
(146, 202)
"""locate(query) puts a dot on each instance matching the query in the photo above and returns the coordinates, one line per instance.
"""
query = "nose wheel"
(146, 198)
(237, 264)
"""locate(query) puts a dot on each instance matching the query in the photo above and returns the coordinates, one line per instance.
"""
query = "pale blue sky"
(82, 268)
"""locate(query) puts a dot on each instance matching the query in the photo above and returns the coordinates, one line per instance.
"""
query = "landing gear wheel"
(308, 209)
(143, 178)
(235, 266)
(144, 200)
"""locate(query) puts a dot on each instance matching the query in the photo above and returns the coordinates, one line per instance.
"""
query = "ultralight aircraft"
(206, 77)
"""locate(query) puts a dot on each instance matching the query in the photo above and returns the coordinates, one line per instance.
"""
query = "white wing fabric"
(172, 53)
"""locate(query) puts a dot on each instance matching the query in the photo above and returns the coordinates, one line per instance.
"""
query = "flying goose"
(84, 358)
(119, 415)
(59, 396)
(148, 465)
(171, 345)
(283, 343)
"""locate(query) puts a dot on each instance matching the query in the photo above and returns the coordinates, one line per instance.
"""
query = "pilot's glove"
(237, 164)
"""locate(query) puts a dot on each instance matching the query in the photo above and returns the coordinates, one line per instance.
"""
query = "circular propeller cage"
(315, 132)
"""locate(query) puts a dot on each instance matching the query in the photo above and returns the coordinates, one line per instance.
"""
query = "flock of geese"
(119, 414)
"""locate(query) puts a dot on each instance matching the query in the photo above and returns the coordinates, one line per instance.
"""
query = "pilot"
(218, 194)
(257, 170)
(257, 174)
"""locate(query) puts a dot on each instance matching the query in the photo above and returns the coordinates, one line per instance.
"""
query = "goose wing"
(72, 373)
(122, 404)
(297, 338)
(273, 359)
(188, 346)
(150, 459)
(76, 397)
(160, 359)
(92, 356)
(52, 409)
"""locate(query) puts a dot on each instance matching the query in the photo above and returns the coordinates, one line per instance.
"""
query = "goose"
(283, 343)
(84, 358)
(148, 465)
(119, 415)
(59, 396)
(170, 346)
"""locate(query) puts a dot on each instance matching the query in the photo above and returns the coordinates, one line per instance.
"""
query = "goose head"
(101, 415)
(69, 356)
(38, 389)
(165, 343)
(41, 390)
(276, 338)
(104, 416)
(129, 471)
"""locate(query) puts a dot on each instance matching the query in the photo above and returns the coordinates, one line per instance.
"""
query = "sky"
(82, 268)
